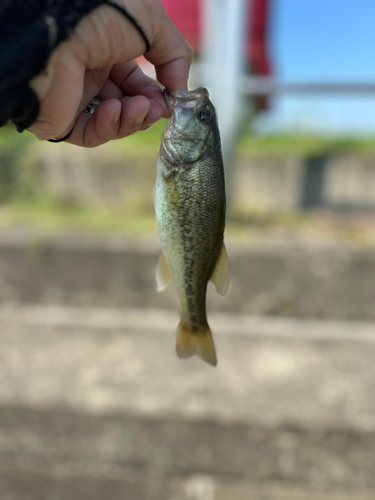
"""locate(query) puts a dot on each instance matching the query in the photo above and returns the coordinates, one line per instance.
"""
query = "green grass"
(255, 145)
(144, 142)
(140, 143)
(44, 218)
(49, 216)
(280, 144)
(11, 140)
(148, 142)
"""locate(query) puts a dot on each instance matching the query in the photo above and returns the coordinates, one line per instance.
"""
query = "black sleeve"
(29, 32)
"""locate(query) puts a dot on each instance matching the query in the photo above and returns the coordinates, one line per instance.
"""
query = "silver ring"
(92, 106)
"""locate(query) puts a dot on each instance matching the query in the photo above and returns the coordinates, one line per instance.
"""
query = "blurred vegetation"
(11, 140)
(148, 142)
(281, 144)
(47, 215)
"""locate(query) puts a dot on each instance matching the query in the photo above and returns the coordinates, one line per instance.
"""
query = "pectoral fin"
(163, 273)
(220, 277)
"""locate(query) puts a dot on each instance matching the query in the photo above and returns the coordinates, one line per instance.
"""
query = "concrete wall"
(342, 181)
(306, 282)
(110, 176)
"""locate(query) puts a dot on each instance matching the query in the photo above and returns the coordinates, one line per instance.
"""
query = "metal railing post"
(223, 69)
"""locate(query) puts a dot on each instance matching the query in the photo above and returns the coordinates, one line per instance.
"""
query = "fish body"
(190, 211)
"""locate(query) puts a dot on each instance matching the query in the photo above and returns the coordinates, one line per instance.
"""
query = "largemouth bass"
(190, 212)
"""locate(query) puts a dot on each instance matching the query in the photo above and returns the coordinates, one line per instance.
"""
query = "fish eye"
(204, 114)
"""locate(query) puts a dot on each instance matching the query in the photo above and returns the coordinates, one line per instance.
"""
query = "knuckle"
(188, 53)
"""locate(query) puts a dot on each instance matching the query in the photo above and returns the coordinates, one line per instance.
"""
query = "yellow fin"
(163, 273)
(220, 277)
(200, 343)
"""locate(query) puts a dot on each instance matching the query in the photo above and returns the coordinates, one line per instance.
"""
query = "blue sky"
(323, 40)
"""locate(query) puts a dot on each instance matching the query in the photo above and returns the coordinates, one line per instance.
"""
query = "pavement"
(95, 404)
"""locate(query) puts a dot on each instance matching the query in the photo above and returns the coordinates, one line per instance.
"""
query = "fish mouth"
(184, 98)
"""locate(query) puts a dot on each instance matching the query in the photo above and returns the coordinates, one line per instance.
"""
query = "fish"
(190, 207)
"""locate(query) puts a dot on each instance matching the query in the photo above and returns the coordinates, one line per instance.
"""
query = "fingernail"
(116, 118)
(140, 118)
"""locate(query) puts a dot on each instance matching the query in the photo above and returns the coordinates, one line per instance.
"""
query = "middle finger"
(129, 77)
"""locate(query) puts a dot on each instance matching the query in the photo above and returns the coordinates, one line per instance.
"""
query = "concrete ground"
(94, 404)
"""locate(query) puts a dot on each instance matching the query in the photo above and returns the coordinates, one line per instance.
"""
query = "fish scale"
(190, 212)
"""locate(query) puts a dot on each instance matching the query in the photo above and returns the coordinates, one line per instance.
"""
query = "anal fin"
(221, 277)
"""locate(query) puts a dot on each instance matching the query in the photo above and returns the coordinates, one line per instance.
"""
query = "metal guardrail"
(268, 86)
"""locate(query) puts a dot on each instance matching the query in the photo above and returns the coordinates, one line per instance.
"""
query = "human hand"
(99, 60)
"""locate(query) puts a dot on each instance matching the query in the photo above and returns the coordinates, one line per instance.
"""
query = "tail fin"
(200, 343)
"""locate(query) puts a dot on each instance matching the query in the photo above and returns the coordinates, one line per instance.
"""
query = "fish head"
(192, 125)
